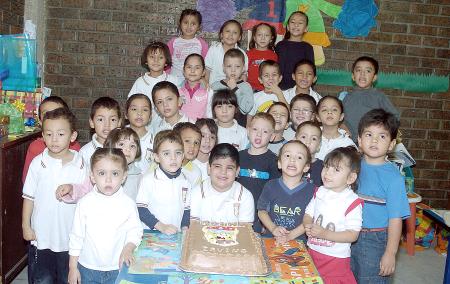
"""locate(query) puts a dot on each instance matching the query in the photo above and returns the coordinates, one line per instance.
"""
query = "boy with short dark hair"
(105, 116)
(373, 254)
(364, 97)
(163, 194)
(270, 77)
(258, 164)
(234, 67)
(221, 198)
(45, 221)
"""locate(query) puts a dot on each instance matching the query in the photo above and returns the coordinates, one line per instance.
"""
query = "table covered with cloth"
(158, 256)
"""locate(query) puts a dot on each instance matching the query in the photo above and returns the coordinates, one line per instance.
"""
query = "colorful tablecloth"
(158, 256)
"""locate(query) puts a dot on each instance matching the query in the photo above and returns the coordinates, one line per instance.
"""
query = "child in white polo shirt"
(105, 116)
(46, 222)
(163, 194)
(106, 227)
(191, 137)
(225, 106)
(221, 198)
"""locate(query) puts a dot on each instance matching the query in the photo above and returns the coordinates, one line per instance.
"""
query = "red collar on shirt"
(193, 90)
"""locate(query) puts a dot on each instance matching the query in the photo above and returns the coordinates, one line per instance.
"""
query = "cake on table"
(223, 249)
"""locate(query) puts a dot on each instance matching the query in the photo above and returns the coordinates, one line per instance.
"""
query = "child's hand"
(387, 264)
(74, 276)
(63, 190)
(281, 240)
(166, 229)
(317, 231)
(232, 83)
(126, 256)
(28, 234)
(279, 231)
(308, 229)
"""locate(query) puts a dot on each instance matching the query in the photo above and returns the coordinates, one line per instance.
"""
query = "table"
(413, 199)
(158, 256)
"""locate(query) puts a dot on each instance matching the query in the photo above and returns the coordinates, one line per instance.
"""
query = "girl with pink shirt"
(196, 98)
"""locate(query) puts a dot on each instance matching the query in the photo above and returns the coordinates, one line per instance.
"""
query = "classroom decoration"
(215, 13)
(426, 83)
(268, 11)
(357, 18)
(16, 124)
(316, 35)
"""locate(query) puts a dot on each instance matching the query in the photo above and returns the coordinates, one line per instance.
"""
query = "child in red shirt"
(261, 49)
(37, 146)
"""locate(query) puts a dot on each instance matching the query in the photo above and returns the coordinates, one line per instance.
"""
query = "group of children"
(219, 135)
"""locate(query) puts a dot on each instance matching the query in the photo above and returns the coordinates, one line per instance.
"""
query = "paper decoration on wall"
(215, 13)
(401, 81)
(316, 35)
(269, 11)
(357, 18)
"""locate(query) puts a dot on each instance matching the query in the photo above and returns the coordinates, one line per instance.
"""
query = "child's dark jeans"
(48, 266)
(366, 256)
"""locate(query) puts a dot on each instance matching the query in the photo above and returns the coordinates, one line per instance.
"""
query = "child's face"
(301, 111)
(292, 161)
(330, 113)
(169, 156)
(57, 136)
(270, 76)
(260, 133)
(103, 122)
(139, 113)
(375, 142)
(193, 69)
(48, 106)
(281, 116)
(310, 136)
(108, 175)
(223, 172)
(208, 140)
(304, 76)
(338, 177)
(167, 103)
(189, 26)
(262, 37)
(297, 25)
(364, 74)
(225, 113)
(129, 148)
(191, 142)
(156, 62)
(233, 67)
(230, 35)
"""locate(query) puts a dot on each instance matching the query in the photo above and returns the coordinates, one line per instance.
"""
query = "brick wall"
(93, 49)
(11, 16)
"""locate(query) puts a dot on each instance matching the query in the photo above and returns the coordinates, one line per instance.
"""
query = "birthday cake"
(223, 249)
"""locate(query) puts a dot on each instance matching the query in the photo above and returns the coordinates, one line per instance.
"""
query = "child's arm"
(74, 273)
(27, 211)
(347, 236)
(150, 220)
(387, 263)
(71, 193)
(277, 231)
(127, 255)
(278, 92)
(297, 232)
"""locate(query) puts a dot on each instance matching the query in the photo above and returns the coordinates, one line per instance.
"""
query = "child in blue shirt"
(283, 201)
(373, 254)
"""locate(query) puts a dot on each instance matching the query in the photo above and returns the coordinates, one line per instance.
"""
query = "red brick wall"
(11, 16)
(93, 49)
